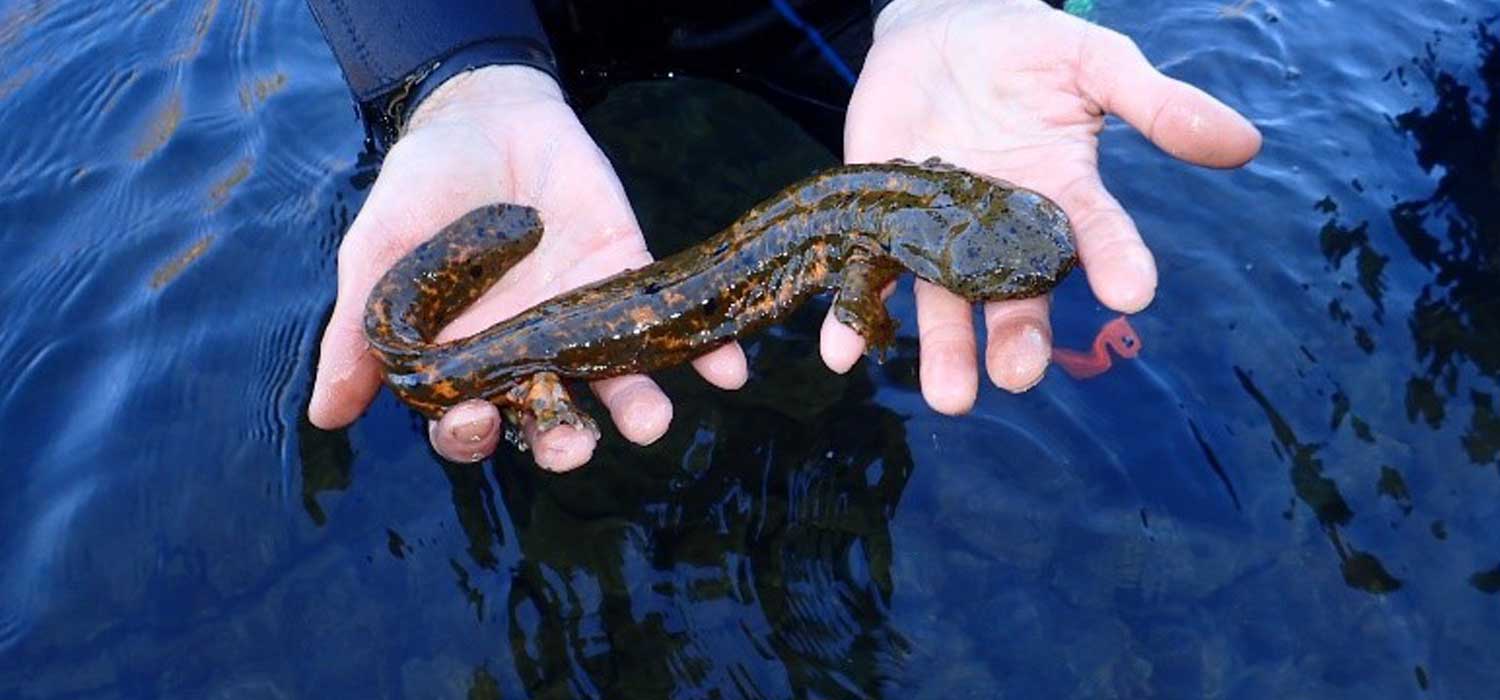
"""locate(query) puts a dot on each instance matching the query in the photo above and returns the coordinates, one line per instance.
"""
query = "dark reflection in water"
(760, 562)
(1454, 233)
(1361, 569)
(326, 464)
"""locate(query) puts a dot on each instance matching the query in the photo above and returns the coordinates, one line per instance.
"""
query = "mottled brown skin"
(850, 229)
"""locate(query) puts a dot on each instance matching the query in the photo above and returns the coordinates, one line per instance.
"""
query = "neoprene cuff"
(393, 53)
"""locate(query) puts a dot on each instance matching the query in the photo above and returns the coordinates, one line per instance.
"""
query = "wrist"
(489, 86)
(901, 13)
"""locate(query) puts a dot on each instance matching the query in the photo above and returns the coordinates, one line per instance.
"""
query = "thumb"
(348, 376)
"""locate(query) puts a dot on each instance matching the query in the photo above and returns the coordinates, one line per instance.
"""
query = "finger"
(639, 409)
(948, 368)
(1120, 268)
(839, 344)
(563, 448)
(468, 432)
(724, 367)
(1180, 119)
(1018, 342)
(347, 376)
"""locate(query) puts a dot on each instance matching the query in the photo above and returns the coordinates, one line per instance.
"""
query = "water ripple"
(30, 573)
(276, 358)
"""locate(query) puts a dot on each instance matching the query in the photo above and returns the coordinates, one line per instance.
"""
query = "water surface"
(1291, 493)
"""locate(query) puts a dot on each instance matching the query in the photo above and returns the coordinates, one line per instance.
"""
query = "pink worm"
(1115, 335)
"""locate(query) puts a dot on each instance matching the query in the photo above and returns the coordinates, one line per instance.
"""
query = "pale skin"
(1009, 88)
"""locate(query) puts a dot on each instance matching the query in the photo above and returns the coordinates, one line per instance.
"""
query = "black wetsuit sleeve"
(395, 52)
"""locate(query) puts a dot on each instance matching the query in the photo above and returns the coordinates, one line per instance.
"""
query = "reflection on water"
(762, 564)
(1280, 498)
(162, 126)
(1453, 233)
(174, 267)
(1361, 569)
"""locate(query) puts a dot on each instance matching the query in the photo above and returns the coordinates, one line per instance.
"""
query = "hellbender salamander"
(850, 229)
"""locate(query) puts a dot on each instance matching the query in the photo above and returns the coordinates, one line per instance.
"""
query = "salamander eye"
(476, 271)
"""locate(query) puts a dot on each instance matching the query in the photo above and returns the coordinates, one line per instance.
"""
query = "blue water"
(1291, 493)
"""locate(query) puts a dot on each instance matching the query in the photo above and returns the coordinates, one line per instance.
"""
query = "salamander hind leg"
(543, 398)
(858, 303)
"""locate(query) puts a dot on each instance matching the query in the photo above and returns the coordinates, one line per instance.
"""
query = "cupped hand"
(1017, 90)
(499, 134)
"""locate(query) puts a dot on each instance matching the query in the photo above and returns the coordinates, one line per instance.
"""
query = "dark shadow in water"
(483, 686)
(749, 549)
(474, 502)
(1487, 581)
(327, 464)
(1361, 569)
(1454, 234)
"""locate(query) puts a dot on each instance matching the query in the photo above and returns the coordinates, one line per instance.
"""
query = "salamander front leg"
(543, 398)
(859, 306)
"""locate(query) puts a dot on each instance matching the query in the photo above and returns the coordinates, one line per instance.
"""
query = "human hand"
(497, 134)
(1017, 90)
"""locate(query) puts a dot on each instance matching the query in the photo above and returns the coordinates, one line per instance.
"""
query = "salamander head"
(987, 242)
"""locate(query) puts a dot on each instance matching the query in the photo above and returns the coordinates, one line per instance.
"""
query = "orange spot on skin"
(1116, 335)
(643, 315)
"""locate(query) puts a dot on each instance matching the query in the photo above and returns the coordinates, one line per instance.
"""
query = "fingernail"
(473, 431)
(1023, 358)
